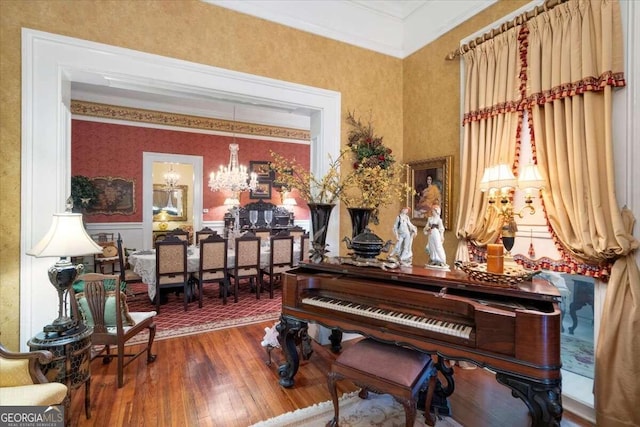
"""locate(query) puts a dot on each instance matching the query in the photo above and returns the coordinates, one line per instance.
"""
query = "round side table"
(71, 364)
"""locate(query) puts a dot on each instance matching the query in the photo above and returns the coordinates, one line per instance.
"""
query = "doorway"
(194, 192)
(51, 62)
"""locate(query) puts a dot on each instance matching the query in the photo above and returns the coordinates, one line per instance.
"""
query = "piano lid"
(536, 289)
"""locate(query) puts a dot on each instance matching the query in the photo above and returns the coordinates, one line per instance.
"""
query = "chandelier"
(233, 177)
(171, 178)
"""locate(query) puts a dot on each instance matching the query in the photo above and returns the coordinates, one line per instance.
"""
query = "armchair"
(22, 382)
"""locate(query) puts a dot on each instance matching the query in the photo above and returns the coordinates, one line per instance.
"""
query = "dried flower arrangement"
(377, 179)
(290, 174)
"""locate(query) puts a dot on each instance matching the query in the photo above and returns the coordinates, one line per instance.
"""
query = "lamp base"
(62, 326)
(62, 274)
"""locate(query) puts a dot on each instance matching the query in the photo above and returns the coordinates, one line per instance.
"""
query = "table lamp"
(66, 238)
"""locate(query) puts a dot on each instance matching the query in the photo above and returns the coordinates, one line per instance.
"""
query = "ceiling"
(391, 27)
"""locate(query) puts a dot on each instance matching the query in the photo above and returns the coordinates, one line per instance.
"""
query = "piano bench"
(384, 369)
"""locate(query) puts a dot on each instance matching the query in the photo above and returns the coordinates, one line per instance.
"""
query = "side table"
(71, 364)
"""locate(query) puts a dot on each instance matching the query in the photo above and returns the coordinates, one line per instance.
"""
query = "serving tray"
(513, 274)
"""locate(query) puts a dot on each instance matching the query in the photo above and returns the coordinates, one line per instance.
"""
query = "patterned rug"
(173, 321)
(577, 355)
(377, 410)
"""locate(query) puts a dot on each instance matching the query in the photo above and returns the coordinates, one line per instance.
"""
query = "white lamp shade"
(289, 201)
(502, 178)
(530, 178)
(487, 176)
(66, 238)
(231, 201)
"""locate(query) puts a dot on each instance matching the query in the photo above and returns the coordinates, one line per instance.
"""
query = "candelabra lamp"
(66, 238)
(500, 182)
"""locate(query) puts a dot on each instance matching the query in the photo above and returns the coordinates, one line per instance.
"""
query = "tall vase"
(359, 219)
(320, 215)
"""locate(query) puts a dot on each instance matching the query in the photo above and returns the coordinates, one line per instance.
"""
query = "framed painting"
(262, 191)
(116, 196)
(431, 179)
(262, 169)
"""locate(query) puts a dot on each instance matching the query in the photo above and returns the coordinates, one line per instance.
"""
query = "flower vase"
(320, 215)
(359, 219)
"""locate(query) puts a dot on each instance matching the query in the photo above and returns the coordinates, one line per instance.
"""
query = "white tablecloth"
(144, 263)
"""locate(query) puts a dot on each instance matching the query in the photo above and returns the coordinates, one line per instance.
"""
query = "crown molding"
(395, 28)
(114, 112)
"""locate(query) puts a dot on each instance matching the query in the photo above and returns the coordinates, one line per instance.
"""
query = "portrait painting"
(431, 180)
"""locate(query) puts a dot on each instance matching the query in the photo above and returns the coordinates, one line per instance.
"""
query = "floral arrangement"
(377, 178)
(290, 174)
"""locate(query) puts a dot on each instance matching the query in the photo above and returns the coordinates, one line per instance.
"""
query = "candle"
(495, 249)
(495, 258)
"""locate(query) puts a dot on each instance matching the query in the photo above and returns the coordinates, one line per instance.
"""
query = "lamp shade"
(487, 176)
(232, 201)
(502, 178)
(66, 238)
(530, 178)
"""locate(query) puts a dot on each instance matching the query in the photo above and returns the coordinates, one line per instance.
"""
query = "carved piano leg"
(543, 400)
(305, 343)
(336, 340)
(288, 329)
(440, 403)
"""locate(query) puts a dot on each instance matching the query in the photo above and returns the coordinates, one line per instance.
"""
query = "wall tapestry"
(116, 196)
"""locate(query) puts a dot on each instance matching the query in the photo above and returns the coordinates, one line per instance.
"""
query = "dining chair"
(171, 267)
(280, 259)
(203, 234)
(296, 232)
(127, 275)
(180, 234)
(109, 254)
(213, 265)
(247, 263)
(305, 246)
(103, 306)
(263, 234)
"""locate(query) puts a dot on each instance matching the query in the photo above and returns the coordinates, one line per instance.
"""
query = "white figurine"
(405, 231)
(435, 244)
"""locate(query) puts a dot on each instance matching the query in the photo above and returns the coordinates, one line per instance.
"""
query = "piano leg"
(289, 329)
(543, 400)
(439, 402)
(336, 340)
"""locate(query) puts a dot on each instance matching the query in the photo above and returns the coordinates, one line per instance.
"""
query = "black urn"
(367, 244)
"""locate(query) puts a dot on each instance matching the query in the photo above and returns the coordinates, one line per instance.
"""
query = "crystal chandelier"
(171, 178)
(233, 177)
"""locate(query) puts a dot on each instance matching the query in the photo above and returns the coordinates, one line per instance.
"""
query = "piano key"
(431, 324)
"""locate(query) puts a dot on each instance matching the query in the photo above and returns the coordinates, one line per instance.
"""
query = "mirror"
(171, 200)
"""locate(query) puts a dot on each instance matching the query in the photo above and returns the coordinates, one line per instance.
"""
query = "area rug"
(577, 355)
(377, 410)
(173, 321)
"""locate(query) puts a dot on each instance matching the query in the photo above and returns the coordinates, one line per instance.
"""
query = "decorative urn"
(367, 244)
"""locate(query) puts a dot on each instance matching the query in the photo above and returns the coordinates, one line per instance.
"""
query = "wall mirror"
(171, 200)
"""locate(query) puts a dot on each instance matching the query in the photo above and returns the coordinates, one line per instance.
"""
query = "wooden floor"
(221, 379)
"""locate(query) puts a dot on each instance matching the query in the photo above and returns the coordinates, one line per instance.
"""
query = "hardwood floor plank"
(221, 378)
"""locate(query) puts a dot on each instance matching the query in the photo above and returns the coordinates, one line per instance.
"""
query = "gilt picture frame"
(262, 169)
(431, 180)
(262, 191)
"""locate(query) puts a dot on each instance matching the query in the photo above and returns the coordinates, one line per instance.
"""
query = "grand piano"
(514, 331)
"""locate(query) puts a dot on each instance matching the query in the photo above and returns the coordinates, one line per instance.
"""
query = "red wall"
(103, 149)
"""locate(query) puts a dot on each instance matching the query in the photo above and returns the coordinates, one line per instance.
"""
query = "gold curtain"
(490, 126)
(574, 63)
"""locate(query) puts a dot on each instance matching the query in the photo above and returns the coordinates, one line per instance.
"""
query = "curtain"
(574, 63)
(492, 91)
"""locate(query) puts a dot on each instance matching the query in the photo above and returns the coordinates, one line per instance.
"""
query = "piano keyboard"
(430, 324)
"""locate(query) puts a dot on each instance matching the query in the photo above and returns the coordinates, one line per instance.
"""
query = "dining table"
(143, 263)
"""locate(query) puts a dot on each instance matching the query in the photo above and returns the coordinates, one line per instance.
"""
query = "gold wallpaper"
(399, 94)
